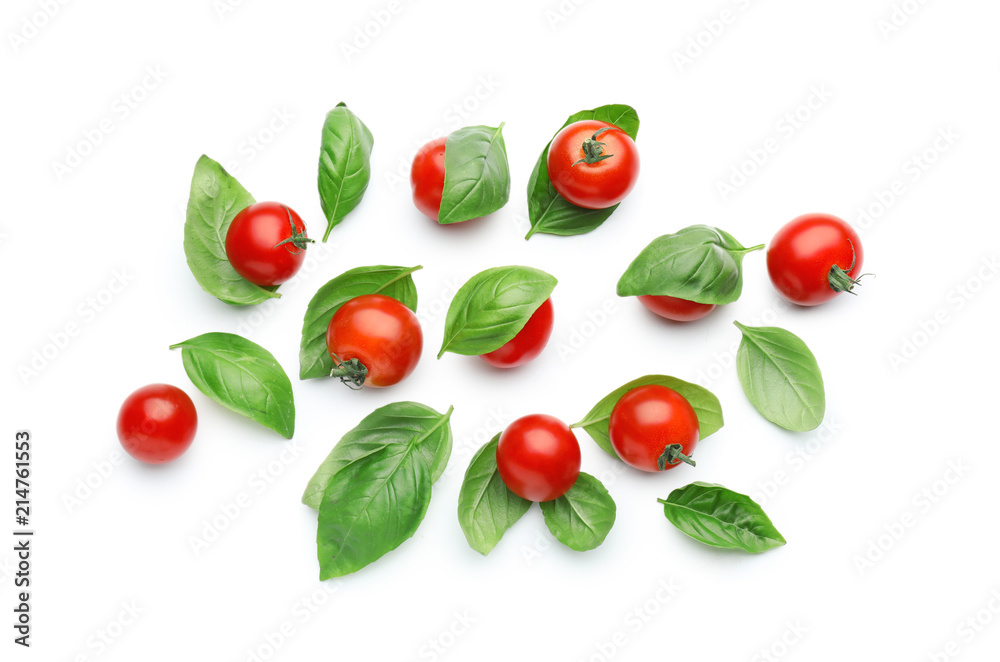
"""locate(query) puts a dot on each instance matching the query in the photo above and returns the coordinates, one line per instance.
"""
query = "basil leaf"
(780, 377)
(492, 307)
(705, 405)
(216, 198)
(344, 164)
(486, 506)
(581, 518)
(476, 176)
(379, 494)
(720, 517)
(242, 376)
(396, 282)
(548, 211)
(699, 263)
(397, 423)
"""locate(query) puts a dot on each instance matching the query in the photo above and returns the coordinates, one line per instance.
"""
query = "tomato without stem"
(527, 344)
(678, 310)
(157, 423)
(374, 340)
(593, 164)
(427, 177)
(538, 457)
(653, 428)
(813, 258)
(266, 243)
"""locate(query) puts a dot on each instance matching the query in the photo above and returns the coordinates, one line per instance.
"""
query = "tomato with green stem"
(266, 243)
(427, 177)
(653, 428)
(538, 457)
(374, 340)
(157, 423)
(527, 344)
(593, 164)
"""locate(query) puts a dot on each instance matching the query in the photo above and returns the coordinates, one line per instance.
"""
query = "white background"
(230, 73)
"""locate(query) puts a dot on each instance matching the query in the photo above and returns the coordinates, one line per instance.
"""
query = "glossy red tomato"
(813, 258)
(156, 423)
(653, 428)
(266, 243)
(678, 310)
(527, 344)
(538, 457)
(374, 340)
(427, 177)
(593, 164)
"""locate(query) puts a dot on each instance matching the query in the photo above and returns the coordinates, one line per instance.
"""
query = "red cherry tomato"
(678, 310)
(374, 340)
(527, 344)
(427, 177)
(538, 457)
(266, 243)
(653, 428)
(593, 164)
(156, 423)
(813, 258)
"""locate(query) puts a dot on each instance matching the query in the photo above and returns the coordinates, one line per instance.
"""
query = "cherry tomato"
(374, 340)
(593, 164)
(538, 457)
(653, 428)
(156, 423)
(427, 177)
(678, 310)
(813, 258)
(527, 344)
(266, 243)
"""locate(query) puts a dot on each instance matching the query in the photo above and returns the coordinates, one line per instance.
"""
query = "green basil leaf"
(476, 176)
(405, 423)
(581, 518)
(699, 263)
(705, 405)
(486, 506)
(780, 377)
(548, 211)
(720, 517)
(242, 376)
(378, 495)
(492, 307)
(216, 198)
(396, 282)
(344, 164)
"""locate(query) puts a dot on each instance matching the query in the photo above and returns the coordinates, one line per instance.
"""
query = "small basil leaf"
(705, 405)
(720, 517)
(548, 211)
(396, 282)
(492, 307)
(405, 423)
(486, 506)
(242, 376)
(476, 176)
(581, 518)
(344, 164)
(699, 263)
(216, 198)
(780, 377)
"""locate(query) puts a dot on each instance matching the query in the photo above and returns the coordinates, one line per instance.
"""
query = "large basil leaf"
(486, 506)
(379, 494)
(699, 263)
(242, 376)
(780, 377)
(492, 307)
(476, 176)
(549, 212)
(581, 518)
(314, 360)
(216, 198)
(720, 517)
(344, 164)
(705, 405)
(402, 423)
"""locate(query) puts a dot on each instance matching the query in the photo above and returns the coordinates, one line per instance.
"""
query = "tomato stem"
(298, 239)
(672, 455)
(839, 278)
(593, 149)
(353, 372)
